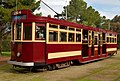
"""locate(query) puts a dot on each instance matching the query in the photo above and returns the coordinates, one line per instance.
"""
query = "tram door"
(85, 48)
(100, 44)
(104, 44)
(92, 47)
(95, 44)
(90, 43)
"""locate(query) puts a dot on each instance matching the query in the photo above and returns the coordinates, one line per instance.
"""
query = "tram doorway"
(85, 44)
(104, 45)
(99, 43)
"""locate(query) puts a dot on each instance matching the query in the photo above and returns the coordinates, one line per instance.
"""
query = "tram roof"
(32, 18)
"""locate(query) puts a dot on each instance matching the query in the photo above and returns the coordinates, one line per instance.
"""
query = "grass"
(87, 80)
(37, 79)
(6, 53)
(108, 71)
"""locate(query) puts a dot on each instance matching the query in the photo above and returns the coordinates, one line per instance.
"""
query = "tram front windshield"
(25, 31)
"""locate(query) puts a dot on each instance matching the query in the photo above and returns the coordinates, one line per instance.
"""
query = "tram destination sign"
(16, 12)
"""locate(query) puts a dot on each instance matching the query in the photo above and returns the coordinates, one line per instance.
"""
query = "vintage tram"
(53, 43)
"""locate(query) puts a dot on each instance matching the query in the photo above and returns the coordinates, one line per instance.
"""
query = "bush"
(6, 45)
(118, 41)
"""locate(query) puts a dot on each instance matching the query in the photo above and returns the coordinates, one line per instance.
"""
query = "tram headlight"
(18, 54)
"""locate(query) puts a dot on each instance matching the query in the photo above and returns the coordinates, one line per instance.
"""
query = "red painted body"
(53, 48)
(31, 52)
(37, 52)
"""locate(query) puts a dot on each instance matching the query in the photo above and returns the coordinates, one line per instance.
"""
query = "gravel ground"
(103, 70)
(4, 58)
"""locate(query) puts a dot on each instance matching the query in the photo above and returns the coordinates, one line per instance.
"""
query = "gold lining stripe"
(63, 54)
(64, 43)
(29, 41)
(111, 43)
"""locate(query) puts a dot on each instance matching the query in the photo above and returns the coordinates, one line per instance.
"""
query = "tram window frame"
(115, 40)
(78, 30)
(96, 40)
(85, 35)
(71, 37)
(18, 35)
(71, 29)
(78, 39)
(26, 35)
(108, 39)
(54, 35)
(41, 33)
(103, 36)
(63, 27)
(112, 40)
(62, 38)
(53, 26)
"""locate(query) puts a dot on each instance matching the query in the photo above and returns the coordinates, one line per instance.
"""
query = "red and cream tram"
(44, 41)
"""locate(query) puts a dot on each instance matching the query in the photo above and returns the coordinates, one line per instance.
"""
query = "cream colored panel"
(33, 31)
(63, 54)
(47, 32)
(111, 49)
(22, 32)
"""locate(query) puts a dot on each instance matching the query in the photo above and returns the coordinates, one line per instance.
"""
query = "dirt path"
(103, 70)
(4, 58)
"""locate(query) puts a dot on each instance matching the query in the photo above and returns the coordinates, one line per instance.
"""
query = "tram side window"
(40, 32)
(107, 39)
(71, 37)
(78, 37)
(18, 31)
(53, 36)
(115, 40)
(112, 40)
(85, 34)
(103, 36)
(95, 40)
(27, 32)
(63, 36)
(53, 26)
(63, 27)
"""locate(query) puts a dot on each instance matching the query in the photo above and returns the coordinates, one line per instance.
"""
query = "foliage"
(6, 43)
(115, 26)
(75, 9)
(5, 13)
(106, 24)
(6, 53)
(78, 12)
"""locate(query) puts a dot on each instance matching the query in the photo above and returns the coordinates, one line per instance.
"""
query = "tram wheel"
(50, 68)
(44, 68)
(30, 69)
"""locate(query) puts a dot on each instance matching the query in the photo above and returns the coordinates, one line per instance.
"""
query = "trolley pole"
(66, 10)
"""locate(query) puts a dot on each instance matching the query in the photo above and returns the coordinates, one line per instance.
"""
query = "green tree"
(78, 12)
(92, 17)
(75, 9)
(115, 26)
(6, 6)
